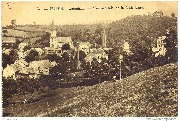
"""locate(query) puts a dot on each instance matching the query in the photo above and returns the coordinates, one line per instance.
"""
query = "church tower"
(104, 39)
(53, 31)
(53, 35)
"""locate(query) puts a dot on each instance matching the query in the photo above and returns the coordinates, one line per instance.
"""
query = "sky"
(27, 12)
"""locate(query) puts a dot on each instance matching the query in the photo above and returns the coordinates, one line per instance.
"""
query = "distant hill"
(150, 93)
(136, 29)
(139, 29)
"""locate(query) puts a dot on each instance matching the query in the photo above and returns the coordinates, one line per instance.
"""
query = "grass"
(149, 93)
(22, 33)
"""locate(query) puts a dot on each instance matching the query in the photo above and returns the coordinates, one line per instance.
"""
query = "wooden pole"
(78, 62)
(119, 64)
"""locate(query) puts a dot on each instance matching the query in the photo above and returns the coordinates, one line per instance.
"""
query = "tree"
(82, 55)
(44, 41)
(65, 56)
(66, 47)
(173, 15)
(33, 55)
(15, 46)
(13, 23)
(9, 59)
(5, 60)
(171, 42)
(52, 57)
(95, 63)
(13, 56)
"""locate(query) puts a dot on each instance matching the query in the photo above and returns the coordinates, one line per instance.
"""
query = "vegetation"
(122, 98)
(33, 55)
(141, 32)
(9, 58)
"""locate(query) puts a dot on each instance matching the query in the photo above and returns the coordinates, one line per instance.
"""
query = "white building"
(10, 72)
(56, 43)
(98, 54)
(84, 46)
(126, 47)
(160, 49)
(41, 67)
(33, 69)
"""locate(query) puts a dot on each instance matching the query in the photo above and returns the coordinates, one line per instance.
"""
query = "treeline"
(136, 30)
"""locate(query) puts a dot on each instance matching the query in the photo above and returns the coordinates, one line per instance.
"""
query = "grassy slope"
(148, 93)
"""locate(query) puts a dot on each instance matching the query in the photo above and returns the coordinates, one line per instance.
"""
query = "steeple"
(52, 25)
(53, 31)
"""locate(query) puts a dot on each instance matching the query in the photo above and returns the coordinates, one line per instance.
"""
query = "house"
(11, 71)
(21, 63)
(6, 51)
(23, 54)
(37, 68)
(160, 49)
(84, 46)
(22, 66)
(126, 47)
(98, 54)
(39, 50)
(158, 13)
(33, 69)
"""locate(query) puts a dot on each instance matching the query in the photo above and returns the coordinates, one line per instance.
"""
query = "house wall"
(9, 72)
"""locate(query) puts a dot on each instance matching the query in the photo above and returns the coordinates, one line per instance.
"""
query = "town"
(81, 58)
(51, 65)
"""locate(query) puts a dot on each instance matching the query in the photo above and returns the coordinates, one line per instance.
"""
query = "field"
(20, 33)
(149, 93)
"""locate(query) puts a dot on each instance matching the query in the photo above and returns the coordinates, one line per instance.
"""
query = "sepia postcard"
(89, 59)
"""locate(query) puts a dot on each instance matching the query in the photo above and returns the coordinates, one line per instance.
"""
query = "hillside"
(149, 93)
(139, 29)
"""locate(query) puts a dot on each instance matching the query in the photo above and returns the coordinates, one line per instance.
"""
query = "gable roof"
(41, 64)
(96, 54)
(14, 67)
(64, 39)
(84, 45)
(21, 63)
